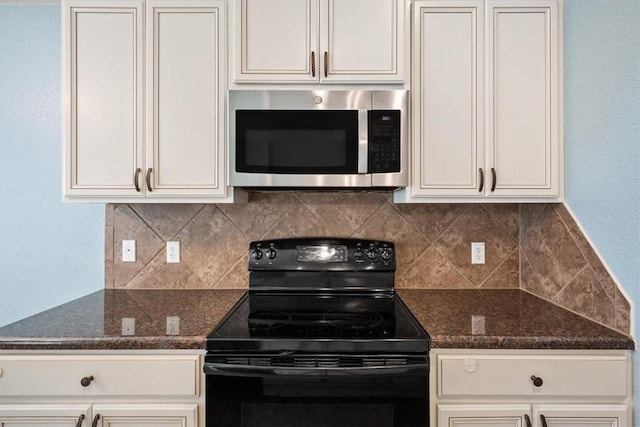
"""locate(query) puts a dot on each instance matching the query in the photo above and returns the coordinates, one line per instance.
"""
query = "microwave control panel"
(384, 141)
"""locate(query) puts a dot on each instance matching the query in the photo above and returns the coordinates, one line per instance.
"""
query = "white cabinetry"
(310, 41)
(486, 104)
(531, 388)
(109, 156)
(106, 390)
(32, 415)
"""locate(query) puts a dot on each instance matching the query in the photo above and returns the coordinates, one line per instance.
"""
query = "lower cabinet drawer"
(495, 375)
(101, 375)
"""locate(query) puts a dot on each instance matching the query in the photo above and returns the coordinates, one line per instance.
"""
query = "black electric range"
(320, 331)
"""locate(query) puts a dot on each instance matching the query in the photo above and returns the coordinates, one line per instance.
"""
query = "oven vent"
(322, 361)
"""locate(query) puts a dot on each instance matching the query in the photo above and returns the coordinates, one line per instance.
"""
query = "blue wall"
(602, 135)
(50, 252)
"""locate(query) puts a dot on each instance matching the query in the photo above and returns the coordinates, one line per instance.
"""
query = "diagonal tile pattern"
(537, 247)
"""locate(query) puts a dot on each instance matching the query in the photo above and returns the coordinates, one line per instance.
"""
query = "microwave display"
(297, 141)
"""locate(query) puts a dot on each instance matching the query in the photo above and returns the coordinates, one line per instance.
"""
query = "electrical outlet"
(128, 251)
(477, 252)
(173, 252)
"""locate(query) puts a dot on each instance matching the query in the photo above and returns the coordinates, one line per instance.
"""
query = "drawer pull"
(80, 420)
(537, 381)
(95, 420)
(86, 381)
(544, 421)
(527, 420)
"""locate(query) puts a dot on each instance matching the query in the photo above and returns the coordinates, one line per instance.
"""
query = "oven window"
(297, 141)
(317, 402)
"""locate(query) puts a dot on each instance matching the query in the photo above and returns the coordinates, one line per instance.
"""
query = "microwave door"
(300, 148)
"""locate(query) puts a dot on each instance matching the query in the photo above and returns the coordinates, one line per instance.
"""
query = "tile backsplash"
(537, 247)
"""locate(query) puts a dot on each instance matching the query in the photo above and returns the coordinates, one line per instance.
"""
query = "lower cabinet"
(530, 388)
(39, 415)
(124, 415)
(483, 415)
(106, 389)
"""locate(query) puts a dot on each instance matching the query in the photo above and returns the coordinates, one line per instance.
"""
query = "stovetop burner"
(320, 295)
(332, 323)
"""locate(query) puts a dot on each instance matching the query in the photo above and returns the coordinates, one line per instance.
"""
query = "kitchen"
(89, 220)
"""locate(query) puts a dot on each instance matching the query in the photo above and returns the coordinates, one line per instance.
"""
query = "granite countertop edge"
(599, 337)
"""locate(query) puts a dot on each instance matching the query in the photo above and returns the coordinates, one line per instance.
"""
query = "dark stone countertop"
(95, 322)
(513, 319)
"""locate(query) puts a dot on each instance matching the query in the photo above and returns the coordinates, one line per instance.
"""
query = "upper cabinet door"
(313, 41)
(185, 98)
(447, 76)
(362, 41)
(276, 41)
(523, 107)
(102, 91)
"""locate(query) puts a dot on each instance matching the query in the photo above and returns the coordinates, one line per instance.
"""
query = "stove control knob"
(358, 254)
(385, 254)
(372, 254)
(256, 254)
(271, 253)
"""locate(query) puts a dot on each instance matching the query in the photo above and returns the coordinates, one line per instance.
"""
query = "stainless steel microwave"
(318, 138)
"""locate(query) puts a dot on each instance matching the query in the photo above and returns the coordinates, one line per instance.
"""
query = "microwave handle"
(363, 141)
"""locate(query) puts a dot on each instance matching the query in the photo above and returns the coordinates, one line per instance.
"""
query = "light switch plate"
(128, 251)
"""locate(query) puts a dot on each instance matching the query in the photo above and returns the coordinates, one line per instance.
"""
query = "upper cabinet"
(312, 41)
(486, 102)
(168, 145)
(103, 97)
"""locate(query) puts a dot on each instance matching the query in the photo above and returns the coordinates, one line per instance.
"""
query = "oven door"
(317, 391)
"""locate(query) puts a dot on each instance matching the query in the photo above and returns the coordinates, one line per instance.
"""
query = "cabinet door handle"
(149, 180)
(326, 63)
(95, 420)
(544, 421)
(80, 420)
(494, 175)
(313, 64)
(136, 179)
(86, 381)
(481, 180)
(527, 420)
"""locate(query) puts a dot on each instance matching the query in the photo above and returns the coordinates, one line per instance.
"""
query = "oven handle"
(224, 369)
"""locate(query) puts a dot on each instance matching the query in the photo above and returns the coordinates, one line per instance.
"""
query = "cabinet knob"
(86, 381)
(537, 381)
